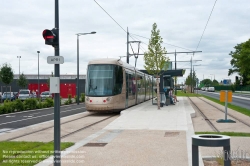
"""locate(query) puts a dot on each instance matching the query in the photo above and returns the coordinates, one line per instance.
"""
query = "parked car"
(8, 96)
(24, 94)
(33, 94)
(210, 89)
(46, 94)
(16, 95)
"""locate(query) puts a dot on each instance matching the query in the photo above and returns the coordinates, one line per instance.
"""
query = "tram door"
(130, 88)
(127, 89)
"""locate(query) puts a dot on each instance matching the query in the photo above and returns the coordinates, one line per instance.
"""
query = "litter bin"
(210, 140)
(163, 98)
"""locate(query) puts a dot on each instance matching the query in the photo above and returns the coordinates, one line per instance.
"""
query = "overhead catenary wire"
(133, 34)
(165, 43)
(110, 16)
(206, 25)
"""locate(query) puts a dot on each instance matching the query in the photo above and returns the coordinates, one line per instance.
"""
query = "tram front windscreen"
(104, 80)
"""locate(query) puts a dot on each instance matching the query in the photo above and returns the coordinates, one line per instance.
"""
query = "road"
(22, 119)
(242, 100)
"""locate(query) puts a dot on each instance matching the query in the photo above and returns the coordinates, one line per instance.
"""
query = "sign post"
(225, 96)
(55, 60)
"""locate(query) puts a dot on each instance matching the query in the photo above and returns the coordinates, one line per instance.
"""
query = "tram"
(113, 85)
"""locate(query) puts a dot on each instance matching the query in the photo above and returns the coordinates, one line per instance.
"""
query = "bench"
(168, 100)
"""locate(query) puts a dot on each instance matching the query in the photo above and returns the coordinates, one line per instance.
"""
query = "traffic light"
(236, 78)
(50, 37)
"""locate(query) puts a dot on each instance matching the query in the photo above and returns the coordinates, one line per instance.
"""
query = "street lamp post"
(19, 65)
(213, 75)
(38, 76)
(77, 83)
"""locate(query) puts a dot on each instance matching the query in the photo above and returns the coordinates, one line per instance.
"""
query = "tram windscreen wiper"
(91, 88)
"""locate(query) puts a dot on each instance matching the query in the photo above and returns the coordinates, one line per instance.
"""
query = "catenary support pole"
(127, 46)
(175, 91)
(191, 75)
(38, 92)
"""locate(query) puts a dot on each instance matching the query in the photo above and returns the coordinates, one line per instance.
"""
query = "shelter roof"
(172, 73)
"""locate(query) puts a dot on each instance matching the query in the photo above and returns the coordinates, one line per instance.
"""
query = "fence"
(232, 87)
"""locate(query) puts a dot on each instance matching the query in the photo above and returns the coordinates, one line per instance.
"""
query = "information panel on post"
(55, 60)
(226, 95)
(54, 85)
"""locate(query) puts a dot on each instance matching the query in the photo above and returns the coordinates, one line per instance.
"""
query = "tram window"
(118, 81)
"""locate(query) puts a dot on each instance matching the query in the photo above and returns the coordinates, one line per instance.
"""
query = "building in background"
(67, 84)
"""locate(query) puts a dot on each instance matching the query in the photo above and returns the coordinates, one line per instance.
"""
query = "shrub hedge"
(19, 105)
(32, 103)
(82, 97)
(70, 98)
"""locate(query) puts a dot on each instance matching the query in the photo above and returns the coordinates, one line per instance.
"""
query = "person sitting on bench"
(173, 96)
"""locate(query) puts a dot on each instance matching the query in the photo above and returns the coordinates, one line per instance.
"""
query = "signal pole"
(52, 38)
(57, 129)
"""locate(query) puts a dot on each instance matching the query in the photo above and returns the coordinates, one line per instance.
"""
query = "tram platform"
(143, 135)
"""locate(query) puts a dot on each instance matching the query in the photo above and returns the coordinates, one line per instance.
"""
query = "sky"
(181, 24)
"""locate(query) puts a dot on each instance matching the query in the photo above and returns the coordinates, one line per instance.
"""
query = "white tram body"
(113, 85)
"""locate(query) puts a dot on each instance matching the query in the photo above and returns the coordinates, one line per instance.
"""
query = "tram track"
(66, 135)
(85, 127)
(205, 117)
(247, 124)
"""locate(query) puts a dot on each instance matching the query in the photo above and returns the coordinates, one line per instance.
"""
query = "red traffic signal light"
(50, 37)
(236, 78)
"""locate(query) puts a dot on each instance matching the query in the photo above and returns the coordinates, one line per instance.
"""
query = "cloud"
(181, 24)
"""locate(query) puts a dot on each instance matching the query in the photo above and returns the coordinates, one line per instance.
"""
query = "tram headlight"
(108, 98)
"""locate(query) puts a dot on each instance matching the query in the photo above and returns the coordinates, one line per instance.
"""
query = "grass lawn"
(229, 105)
(234, 134)
(26, 153)
(181, 93)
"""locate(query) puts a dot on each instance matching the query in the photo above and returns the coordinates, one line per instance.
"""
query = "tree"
(240, 61)
(22, 82)
(215, 83)
(207, 82)
(6, 74)
(155, 59)
(191, 80)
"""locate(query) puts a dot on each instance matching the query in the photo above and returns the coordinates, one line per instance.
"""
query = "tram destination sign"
(55, 60)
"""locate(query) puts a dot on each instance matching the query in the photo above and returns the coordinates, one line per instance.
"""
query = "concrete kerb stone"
(190, 132)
